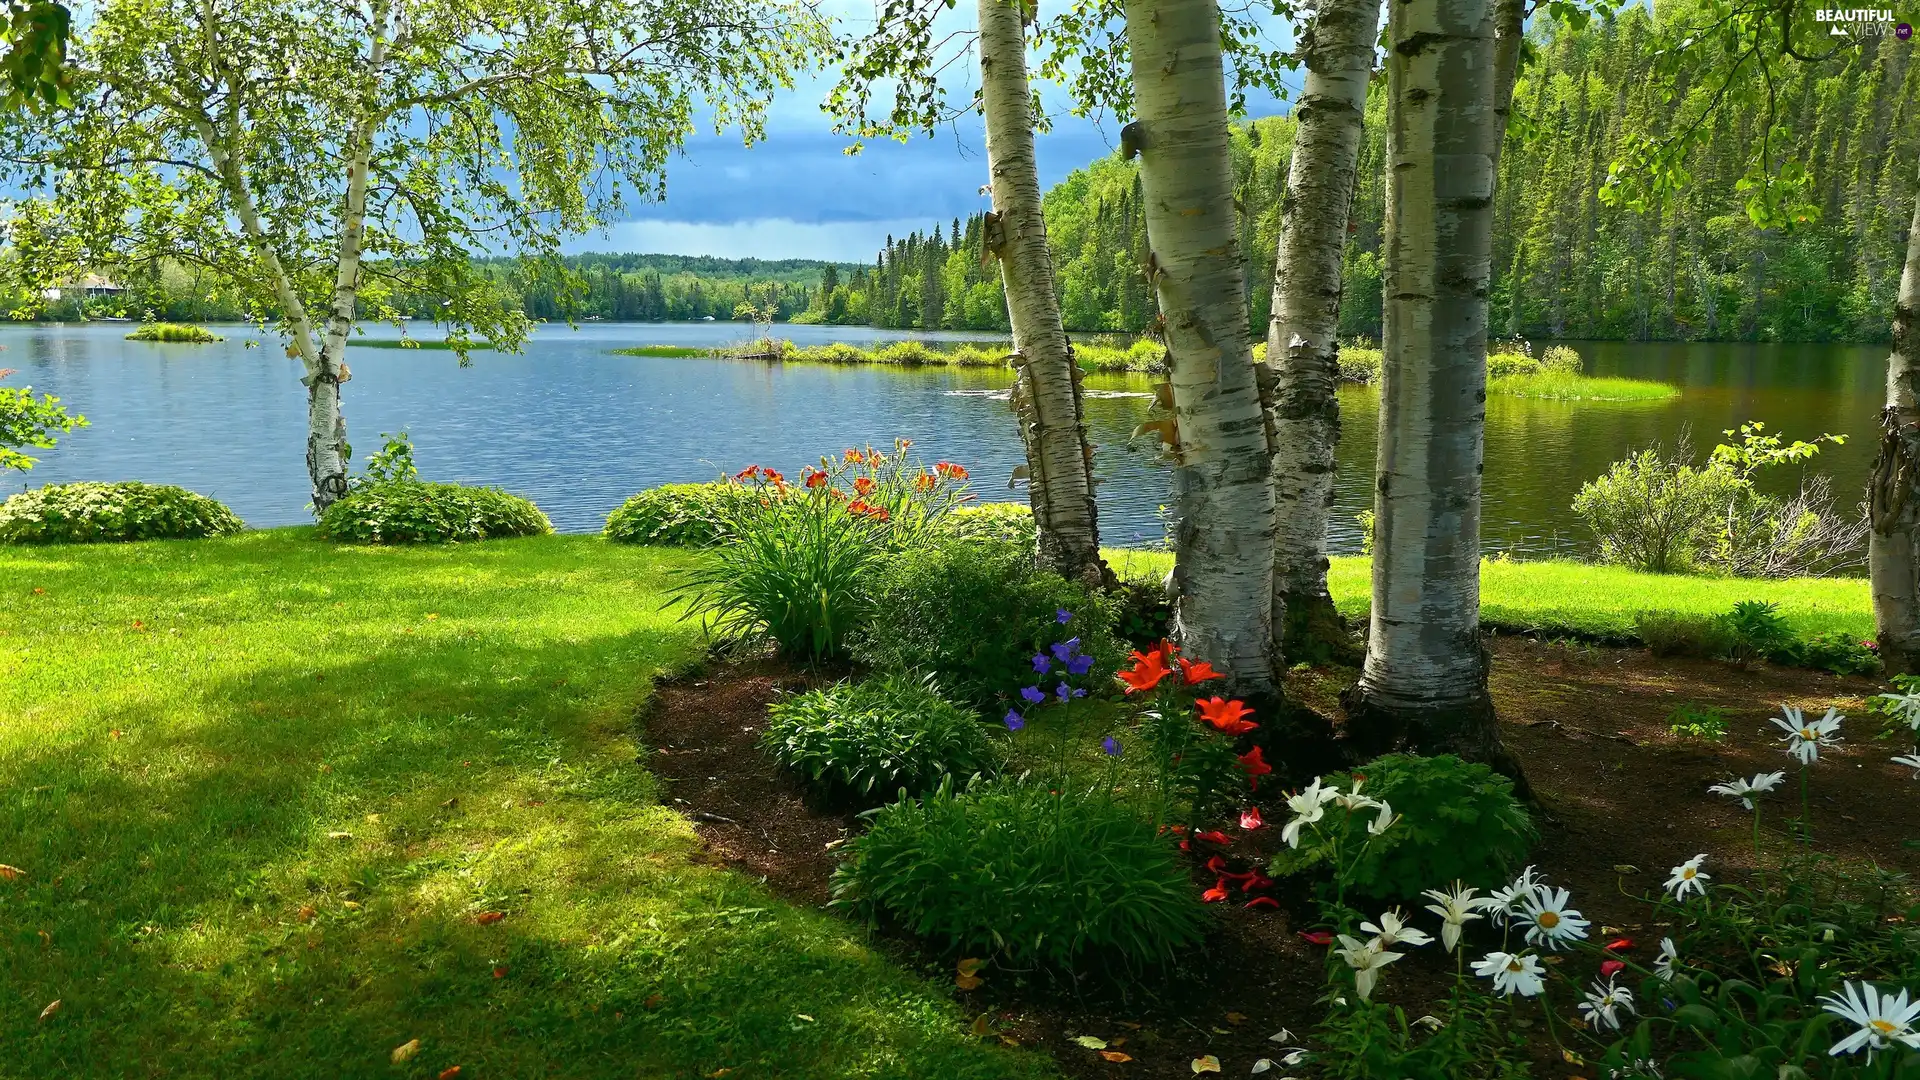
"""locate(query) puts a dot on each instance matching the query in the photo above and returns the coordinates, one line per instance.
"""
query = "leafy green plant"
(86, 513)
(418, 512)
(683, 515)
(1068, 879)
(1365, 519)
(175, 332)
(1756, 631)
(973, 613)
(1691, 721)
(1667, 633)
(878, 737)
(1840, 654)
(1009, 522)
(29, 421)
(1653, 511)
(1460, 821)
(1500, 364)
(391, 464)
(1561, 360)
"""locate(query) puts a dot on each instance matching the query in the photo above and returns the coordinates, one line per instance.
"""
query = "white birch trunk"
(1893, 547)
(1047, 399)
(1424, 684)
(1223, 492)
(1303, 352)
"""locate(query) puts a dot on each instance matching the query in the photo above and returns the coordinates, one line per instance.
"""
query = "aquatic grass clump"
(673, 351)
(179, 333)
(417, 343)
(1556, 385)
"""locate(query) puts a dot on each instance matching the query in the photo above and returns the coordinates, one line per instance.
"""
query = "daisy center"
(1808, 734)
(1548, 920)
(1516, 966)
(1883, 1027)
(1688, 873)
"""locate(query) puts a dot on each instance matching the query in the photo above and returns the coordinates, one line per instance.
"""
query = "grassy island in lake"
(180, 333)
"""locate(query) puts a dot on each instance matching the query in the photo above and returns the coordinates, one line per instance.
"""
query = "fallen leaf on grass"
(11, 873)
(1573, 1058)
(307, 913)
(1262, 1065)
(339, 836)
(653, 1001)
(1236, 1018)
(982, 1027)
(52, 1007)
(405, 1051)
(1116, 1056)
(967, 975)
(449, 1072)
(1208, 1064)
(1091, 1042)
(488, 918)
(501, 973)
(115, 734)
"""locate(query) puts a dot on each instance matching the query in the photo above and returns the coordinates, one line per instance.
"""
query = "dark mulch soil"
(1589, 725)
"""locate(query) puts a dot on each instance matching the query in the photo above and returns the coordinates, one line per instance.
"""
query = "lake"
(578, 429)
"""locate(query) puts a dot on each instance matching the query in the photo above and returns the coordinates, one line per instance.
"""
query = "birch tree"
(317, 155)
(905, 49)
(1047, 399)
(1424, 683)
(1303, 352)
(1893, 547)
(1222, 580)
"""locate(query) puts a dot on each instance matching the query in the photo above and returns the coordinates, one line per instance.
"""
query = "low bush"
(1360, 364)
(973, 613)
(877, 738)
(1561, 360)
(1654, 512)
(1006, 522)
(684, 515)
(1069, 880)
(1667, 633)
(88, 513)
(1840, 654)
(418, 512)
(1755, 631)
(1459, 821)
(175, 332)
(1503, 364)
(908, 354)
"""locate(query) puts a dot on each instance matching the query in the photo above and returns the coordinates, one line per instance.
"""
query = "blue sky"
(797, 195)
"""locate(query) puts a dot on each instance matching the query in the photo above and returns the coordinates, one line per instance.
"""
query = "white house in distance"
(89, 287)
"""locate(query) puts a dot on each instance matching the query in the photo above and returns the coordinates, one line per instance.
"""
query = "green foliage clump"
(1667, 633)
(908, 354)
(175, 332)
(680, 515)
(1360, 364)
(1564, 386)
(1007, 522)
(1561, 360)
(1691, 721)
(1460, 821)
(664, 351)
(87, 513)
(1756, 631)
(418, 512)
(1653, 512)
(1840, 654)
(29, 421)
(835, 353)
(1505, 364)
(878, 737)
(973, 613)
(1069, 880)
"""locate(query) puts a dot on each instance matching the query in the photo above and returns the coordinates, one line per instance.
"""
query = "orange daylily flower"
(1197, 671)
(815, 477)
(863, 485)
(1148, 669)
(1227, 716)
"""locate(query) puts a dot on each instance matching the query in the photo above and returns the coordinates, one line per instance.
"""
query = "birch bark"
(1047, 399)
(1893, 547)
(1303, 352)
(1222, 579)
(1424, 683)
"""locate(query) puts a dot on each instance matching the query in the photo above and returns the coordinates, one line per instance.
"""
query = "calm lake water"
(578, 429)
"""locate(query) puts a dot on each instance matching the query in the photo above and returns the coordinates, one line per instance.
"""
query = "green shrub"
(972, 613)
(391, 464)
(29, 421)
(1691, 721)
(1667, 633)
(417, 512)
(875, 738)
(1757, 631)
(1366, 520)
(1561, 360)
(88, 513)
(975, 356)
(1460, 820)
(835, 353)
(1360, 364)
(175, 332)
(1070, 881)
(1008, 522)
(908, 354)
(1840, 654)
(1653, 512)
(685, 515)
(1500, 364)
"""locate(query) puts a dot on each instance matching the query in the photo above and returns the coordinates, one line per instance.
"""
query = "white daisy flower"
(1663, 964)
(1553, 922)
(1903, 707)
(1511, 973)
(1745, 790)
(1689, 878)
(1883, 1019)
(1366, 958)
(1604, 1004)
(1393, 930)
(1308, 807)
(1911, 761)
(1456, 909)
(1506, 902)
(1805, 738)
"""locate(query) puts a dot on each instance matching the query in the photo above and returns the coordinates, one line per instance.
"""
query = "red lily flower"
(814, 477)
(1214, 837)
(925, 482)
(1148, 669)
(1255, 763)
(1256, 880)
(1250, 819)
(1217, 864)
(1197, 671)
(1610, 968)
(1621, 945)
(1259, 903)
(855, 457)
(1186, 845)
(1216, 894)
(774, 477)
(1227, 716)
(1317, 937)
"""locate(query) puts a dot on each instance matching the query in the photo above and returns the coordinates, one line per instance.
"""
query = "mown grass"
(262, 788)
(1563, 386)
(1558, 596)
(178, 333)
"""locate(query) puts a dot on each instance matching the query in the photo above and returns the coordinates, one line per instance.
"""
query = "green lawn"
(261, 788)
(1598, 600)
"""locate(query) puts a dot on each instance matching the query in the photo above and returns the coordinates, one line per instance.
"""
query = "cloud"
(759, 238)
